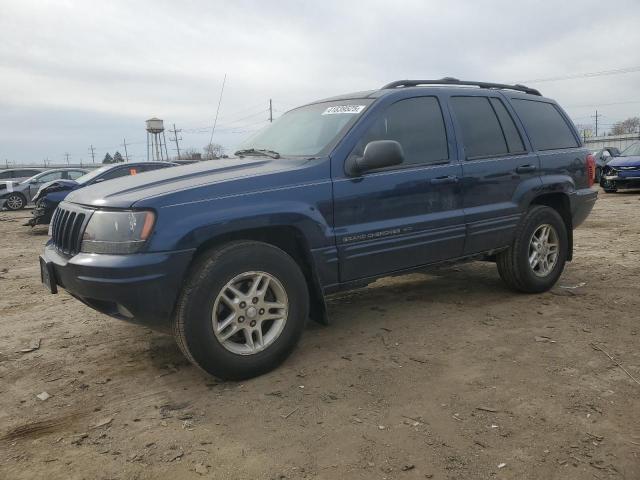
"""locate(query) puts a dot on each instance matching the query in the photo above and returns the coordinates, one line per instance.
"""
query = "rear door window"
(481, 132)
(547, 128)
(511, 134)
(417, 124)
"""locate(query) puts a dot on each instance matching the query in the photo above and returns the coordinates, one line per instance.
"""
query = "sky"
(77, 73)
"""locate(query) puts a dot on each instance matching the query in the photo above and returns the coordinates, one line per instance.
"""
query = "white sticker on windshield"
(343, 109)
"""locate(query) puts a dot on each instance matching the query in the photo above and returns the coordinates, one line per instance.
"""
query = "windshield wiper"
(254, 151)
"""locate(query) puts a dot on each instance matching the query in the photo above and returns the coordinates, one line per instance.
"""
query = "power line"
(616, 71)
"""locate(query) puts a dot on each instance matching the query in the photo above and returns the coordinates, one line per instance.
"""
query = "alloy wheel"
(544, 248)
(250, 313)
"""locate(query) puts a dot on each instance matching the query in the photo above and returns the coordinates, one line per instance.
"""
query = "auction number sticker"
(337, 109)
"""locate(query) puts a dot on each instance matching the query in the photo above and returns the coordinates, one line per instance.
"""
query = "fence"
(619, 141)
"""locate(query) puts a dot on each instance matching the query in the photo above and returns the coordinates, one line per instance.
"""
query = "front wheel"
(609, 186)
(536, 259)
(15, 201)
(242, 310)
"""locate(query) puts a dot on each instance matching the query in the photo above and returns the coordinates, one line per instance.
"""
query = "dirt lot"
(447, 375)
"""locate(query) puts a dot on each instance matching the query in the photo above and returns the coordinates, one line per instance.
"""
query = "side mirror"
(377, 154)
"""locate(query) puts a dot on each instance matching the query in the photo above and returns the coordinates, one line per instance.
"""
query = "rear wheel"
(536, 259)
(242, 310)
(15, 201)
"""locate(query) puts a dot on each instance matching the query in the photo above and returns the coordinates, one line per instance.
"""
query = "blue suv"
(232, 256)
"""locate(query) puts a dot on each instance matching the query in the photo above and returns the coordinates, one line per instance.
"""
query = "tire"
(204, 305)
(15, 201)
(514, 265)
(609, 186)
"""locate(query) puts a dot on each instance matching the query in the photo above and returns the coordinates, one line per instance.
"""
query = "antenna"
(218, 109)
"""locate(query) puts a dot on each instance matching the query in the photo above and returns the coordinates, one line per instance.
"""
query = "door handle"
(444, 180)
(526, 169)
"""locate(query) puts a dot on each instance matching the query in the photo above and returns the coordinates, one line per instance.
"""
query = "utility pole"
(175, 138)
(270, 110)
(93, 153)
(126, 154)
(596, 116)
(67, 155)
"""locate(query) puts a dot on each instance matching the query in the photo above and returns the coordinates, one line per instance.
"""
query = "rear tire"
(530, 265)
(15, 201)
(231, 331)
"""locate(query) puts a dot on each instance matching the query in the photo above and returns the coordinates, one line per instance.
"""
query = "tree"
(190, 154)
(630, 125)
(107, 158)
(213, 151)
(117, 158)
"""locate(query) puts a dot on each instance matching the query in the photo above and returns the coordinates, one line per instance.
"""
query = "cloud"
(77, 73)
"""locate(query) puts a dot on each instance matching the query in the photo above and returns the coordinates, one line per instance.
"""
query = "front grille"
(67, 227)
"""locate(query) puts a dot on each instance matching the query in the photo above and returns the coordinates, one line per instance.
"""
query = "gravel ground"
(442, 375)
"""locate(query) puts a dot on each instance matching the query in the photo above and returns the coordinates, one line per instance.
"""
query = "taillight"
(590, 165)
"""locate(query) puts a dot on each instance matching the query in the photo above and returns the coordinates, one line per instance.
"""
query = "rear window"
(546, 127)
(481, 132)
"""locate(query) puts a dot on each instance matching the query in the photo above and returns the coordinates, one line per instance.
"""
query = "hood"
(55, 186)
(625, 162)
(210, 178)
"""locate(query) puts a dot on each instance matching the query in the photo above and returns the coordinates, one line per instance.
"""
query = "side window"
(25, 173)
(511, 134)
(50, 177)
(5, 175)
(417, 124)
(481, 132)
(547, 129)
(73, 174)
(115, 173)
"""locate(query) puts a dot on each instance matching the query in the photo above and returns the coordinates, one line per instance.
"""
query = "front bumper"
(582, 202)
(623, 181)
(140, 288)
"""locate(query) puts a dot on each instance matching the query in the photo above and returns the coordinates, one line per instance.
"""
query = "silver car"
(14, 196)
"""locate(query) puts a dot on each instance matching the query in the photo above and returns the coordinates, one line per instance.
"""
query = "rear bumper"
(582, 202)
(139, 288)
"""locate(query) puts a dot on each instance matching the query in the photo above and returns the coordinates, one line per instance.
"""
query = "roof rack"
(455, 81)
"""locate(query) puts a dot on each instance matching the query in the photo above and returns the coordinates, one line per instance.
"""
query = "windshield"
(310, 130)
(632, 150)
(91, 175)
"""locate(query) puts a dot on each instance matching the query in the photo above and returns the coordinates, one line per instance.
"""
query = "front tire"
(537, 256)
(15, 201)
(242, 310)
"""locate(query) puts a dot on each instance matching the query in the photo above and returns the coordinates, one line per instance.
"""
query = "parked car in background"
(232, 256)
(622, 171)
(603, 156)
(18, 174)
(52, 193)
(18, 195)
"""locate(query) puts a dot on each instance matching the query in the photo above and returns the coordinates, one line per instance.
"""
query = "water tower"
(156, 142)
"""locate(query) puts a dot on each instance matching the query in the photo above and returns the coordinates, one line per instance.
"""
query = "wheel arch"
(288, 239)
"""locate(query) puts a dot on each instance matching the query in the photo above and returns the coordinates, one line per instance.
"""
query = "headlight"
(113, 232)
